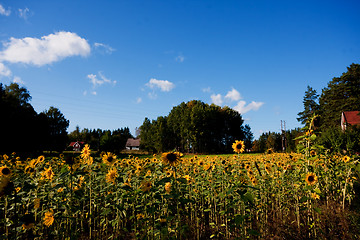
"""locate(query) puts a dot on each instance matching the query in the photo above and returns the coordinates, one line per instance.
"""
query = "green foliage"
(311, 106)
(341, 94)
(195, 127)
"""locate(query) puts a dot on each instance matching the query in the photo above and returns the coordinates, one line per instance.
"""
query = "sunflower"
(111, 175)
(311, 178)
(315, 196)
(48, 174)
(28, 221)
(238, 146)
(146, 186)
(346, 158)
(5, 171)
(109, 158)
(168, 187)
(85, 152)
(40, 159)
(171, 158)
(49, 218)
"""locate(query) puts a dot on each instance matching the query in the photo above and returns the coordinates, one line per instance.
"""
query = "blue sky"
(110, 64)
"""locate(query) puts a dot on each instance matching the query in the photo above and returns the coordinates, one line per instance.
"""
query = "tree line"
(102, 140)
(23, 129)
(340, 95)
(195, 127)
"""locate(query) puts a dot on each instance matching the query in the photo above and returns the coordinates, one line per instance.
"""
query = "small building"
(133, 144)
(349, 118)
(77, 146)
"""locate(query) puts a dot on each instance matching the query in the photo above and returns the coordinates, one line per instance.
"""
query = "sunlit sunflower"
(168, 187)
(311, 178)
(188, 178)
(312, 153)
(315, 196)
(85, 152)
(28, 221)
(5, 171)
(346, 158)
(109, 158)
(49, 218)
(111, 175)
(171, 158)
(146, 186)
(40, 159)
(207, 166)
(268, 168)
(238, 146)
(47, 174)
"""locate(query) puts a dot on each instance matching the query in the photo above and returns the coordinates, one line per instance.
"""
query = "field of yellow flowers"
(303, 195)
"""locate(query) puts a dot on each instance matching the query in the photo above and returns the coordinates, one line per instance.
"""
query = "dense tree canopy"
(195, 127)
(103, 140)
(22, 129)
(341, 94)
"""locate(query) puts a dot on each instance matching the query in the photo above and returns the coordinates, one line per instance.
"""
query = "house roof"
(352, 117)
(133, 142)
(73, 143)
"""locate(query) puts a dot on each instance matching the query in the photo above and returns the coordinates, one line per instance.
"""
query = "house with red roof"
(349, 118)
(77, 146)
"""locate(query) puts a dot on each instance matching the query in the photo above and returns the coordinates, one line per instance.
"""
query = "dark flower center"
(5, 171)
(171, 157)
(311, 178)
(110, 159)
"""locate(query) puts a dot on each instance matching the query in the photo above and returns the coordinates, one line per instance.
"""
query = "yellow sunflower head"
(49, 218)
(168, 187)
(146, 186)
(111, 175)
(171, 158)
(85, 152)
(346, 158)
(5, 171)
(311, 179)
(238, 146)
(109, 158)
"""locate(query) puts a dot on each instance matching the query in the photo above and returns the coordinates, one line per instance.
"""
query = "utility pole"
(283, 135)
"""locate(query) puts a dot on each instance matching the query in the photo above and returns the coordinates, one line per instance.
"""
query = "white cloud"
(97, 81)
(233, 95)
(139, 100)
(18, 80)
(46, 50)
(242, 108)
(206, 90)
(4, 12)
(217, 99)
(180, 58)
(93, 92)
(164, 85)
(24, 13)
(4, 71)
(104, 47)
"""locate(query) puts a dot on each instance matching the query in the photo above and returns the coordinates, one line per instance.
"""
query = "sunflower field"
(307, 195)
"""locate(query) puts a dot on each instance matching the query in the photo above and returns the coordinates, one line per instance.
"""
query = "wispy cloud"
(233, 95)
(216, 99)
(46, 50)
(242, 108)
(206, 90)
(163, 85)
(99, 80)
(4, 71)
(24, 13)
(180, 58)
(4, 12)
(104, 48)
(139, 100)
